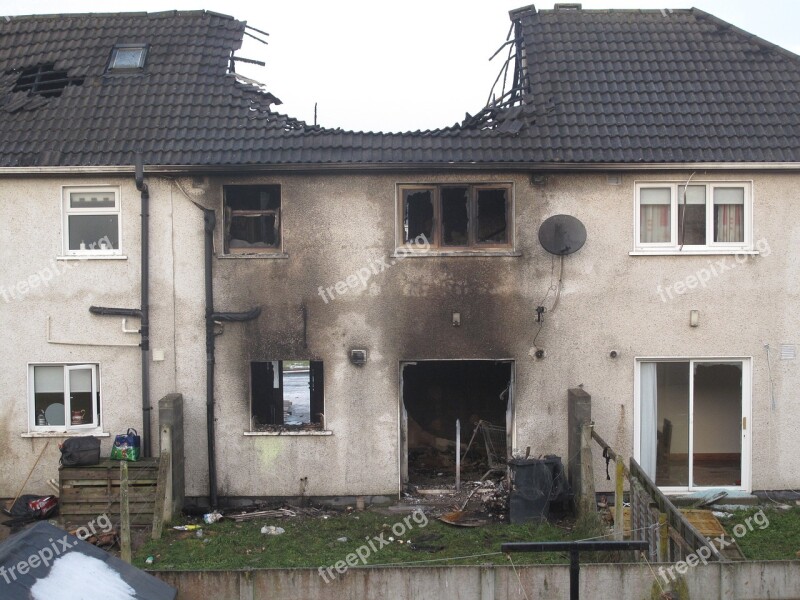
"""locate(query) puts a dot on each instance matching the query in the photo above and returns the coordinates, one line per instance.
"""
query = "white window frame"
(96, 422)
(747, 414)
(710, 247)
(66, 211)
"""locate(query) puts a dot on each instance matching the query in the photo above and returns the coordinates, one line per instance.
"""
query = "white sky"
(397, 66)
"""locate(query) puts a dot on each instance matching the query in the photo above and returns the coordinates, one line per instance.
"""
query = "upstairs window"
(456, 217)
(701, 217)
(91, 221)
(252, 219)
(127, 57)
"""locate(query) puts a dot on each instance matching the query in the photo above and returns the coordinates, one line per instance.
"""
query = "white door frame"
(747, 421)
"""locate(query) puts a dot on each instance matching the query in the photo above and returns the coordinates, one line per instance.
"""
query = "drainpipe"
(142, 313)
(145, 302)
(209, 223)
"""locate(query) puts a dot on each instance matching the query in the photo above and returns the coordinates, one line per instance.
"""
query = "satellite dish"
(562, 235)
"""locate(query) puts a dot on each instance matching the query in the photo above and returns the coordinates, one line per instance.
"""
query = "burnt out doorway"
(436, 393)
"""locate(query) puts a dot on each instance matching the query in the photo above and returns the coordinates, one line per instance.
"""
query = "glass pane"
(672, 424)
(93, 232)
(717, 439)
(92, 200)
(417, 214)
(48, 379)
(692, 215)
(655, 216)
(48, 395)
(729, 215)
(492, 219)
(80, 396)
(128, 58)
(455, 216)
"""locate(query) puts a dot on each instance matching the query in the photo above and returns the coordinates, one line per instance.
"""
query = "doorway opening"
(436, 393)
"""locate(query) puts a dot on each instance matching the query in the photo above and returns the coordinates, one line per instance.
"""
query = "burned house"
(330, 303)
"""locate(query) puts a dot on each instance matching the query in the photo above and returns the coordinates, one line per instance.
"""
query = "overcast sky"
(397, 66)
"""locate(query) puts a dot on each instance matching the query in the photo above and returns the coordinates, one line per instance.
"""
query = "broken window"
(44, 80)
(417, 213)
(287, 394)
(64, 397)
(91, 221)
(492, 216)
(126, 57)
(252, 219)
(456, 216)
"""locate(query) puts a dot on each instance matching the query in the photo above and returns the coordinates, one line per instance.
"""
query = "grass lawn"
(312, 542)
(778, 540)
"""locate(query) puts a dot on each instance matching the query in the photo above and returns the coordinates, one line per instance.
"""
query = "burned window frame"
(230, 213)
(436, 241)
(92, 250)
(316, 377)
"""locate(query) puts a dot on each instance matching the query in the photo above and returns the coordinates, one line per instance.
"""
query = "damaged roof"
(596, 86)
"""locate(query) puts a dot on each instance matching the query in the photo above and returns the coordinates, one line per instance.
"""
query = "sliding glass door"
(692, 422)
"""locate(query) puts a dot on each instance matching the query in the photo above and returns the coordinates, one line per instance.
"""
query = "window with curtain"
(703, 216)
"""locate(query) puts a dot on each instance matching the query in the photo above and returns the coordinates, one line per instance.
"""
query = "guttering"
(408, 166)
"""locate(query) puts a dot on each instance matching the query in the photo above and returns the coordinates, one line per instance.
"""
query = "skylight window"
(127, 57)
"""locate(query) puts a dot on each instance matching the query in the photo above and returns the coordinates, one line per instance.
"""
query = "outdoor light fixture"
(694, 318)
(456, 319)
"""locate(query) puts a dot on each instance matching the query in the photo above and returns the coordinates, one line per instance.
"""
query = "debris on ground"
(272, 530)
(212, 517)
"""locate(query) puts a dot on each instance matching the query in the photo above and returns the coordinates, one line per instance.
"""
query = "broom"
(9, 506)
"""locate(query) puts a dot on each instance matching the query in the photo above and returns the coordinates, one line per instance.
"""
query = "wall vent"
(788, 352)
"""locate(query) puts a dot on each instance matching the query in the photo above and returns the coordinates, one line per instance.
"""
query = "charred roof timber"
(44, 80)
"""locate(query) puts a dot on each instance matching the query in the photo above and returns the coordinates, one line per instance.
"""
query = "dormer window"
(128, 57)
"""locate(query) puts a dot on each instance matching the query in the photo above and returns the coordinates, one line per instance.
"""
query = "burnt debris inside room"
(287, 395)
(435, 394)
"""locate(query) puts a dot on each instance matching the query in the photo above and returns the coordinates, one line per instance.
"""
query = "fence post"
(663, 538)
(125, 515)
(579, 413)
(619, 490)
(588, 501)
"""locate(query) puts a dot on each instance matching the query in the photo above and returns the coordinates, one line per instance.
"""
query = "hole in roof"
(44, 80)
(127, 57)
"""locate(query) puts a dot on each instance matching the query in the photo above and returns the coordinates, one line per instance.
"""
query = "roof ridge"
(162, 13)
